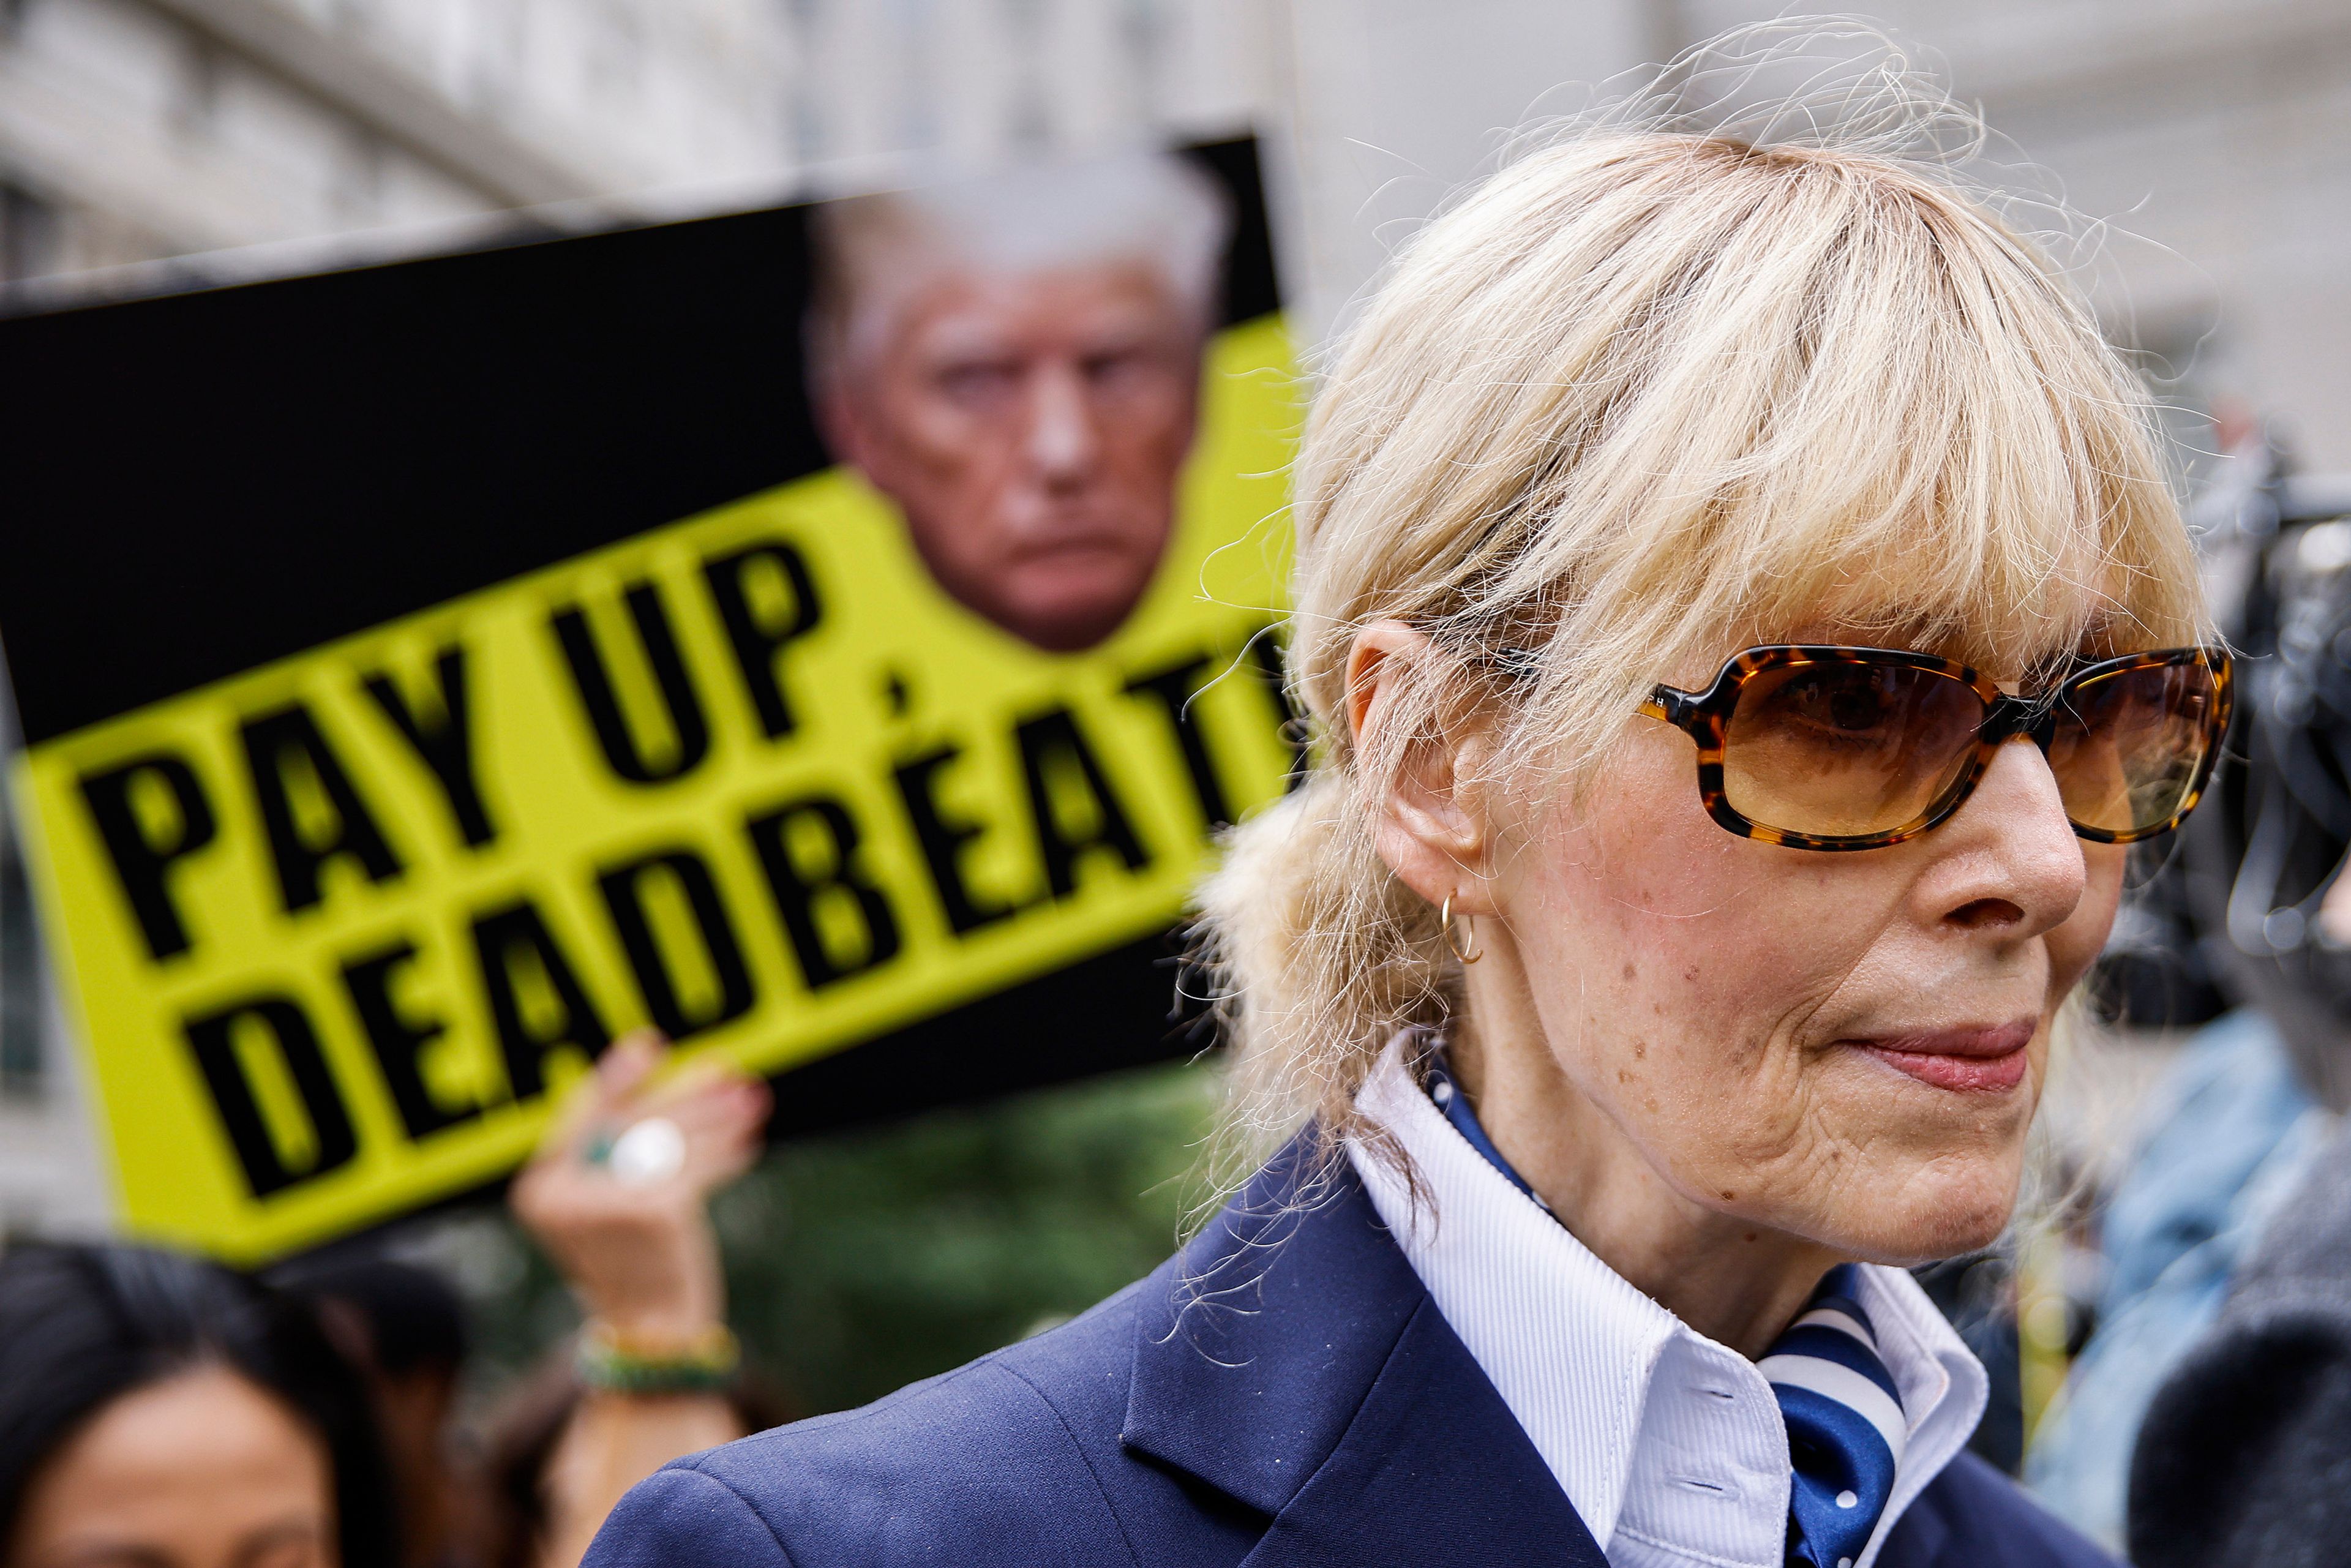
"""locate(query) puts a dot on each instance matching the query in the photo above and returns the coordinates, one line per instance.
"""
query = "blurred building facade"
(137, 129)
(134, 129)
(2214, 135)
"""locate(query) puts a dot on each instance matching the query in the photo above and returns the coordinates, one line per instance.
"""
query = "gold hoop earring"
(1444, 925)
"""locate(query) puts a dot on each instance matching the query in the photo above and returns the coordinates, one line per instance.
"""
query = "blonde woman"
(1746, 620)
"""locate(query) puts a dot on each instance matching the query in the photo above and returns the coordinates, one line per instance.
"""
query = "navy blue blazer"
(1281, 1392)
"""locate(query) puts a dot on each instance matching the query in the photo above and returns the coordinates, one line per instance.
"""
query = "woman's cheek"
(1698, 1010)
(2076, 945)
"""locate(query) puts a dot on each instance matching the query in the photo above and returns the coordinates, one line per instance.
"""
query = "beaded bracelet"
(622, 1364)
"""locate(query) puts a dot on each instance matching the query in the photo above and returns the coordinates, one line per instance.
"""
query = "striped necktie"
(1846, 1425)
(1844, 1414)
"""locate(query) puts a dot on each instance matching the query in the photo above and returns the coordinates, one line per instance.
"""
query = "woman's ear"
(1429, 815)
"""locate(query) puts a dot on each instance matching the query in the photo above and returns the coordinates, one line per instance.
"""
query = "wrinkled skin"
(1032, 428)
(1667, 1029)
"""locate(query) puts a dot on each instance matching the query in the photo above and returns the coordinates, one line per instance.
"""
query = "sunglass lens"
(1846, 750)
(2129, 746)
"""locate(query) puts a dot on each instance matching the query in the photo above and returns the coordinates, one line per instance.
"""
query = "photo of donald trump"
(1015, 362)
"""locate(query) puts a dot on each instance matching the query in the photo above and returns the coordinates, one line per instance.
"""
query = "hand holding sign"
(617, 1195)
(634, 1241)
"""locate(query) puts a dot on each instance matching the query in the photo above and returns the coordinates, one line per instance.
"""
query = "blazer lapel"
(1290, 1358)
(1434, 1468)
(1920, 1537)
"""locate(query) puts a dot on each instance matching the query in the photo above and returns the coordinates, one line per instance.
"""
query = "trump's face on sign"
(1028, 405)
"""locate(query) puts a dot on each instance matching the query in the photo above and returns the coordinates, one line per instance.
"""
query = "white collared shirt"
(1670, 1446)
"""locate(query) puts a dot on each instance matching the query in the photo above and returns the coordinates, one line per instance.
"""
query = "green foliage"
(862, 1262)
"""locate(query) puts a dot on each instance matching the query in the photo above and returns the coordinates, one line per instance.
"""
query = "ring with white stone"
(650, 1151)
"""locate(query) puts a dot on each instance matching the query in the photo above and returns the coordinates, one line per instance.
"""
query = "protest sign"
(431, 671)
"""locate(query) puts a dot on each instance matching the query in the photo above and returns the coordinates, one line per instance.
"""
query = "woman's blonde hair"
(1653, 385)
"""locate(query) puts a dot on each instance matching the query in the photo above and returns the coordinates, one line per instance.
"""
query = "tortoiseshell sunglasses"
(1854, 748)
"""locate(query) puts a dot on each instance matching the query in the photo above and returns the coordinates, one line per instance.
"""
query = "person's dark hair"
(81, 1326)
(414, 1319)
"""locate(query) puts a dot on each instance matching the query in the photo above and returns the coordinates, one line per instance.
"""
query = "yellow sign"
(334, 927)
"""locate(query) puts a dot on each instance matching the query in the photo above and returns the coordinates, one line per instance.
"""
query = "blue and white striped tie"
(1846, 1425)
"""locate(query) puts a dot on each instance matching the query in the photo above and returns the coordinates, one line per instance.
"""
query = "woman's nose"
(2012, 864)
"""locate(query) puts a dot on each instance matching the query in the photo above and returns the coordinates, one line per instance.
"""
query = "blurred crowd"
(2207, 1418)
(160, 1410)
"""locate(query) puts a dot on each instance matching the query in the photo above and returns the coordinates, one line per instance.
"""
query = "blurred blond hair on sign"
(765, 773)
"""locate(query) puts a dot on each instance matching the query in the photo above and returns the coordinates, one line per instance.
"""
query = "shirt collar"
(1577, 1353)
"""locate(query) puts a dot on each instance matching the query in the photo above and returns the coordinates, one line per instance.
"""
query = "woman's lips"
(1963, 1058)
